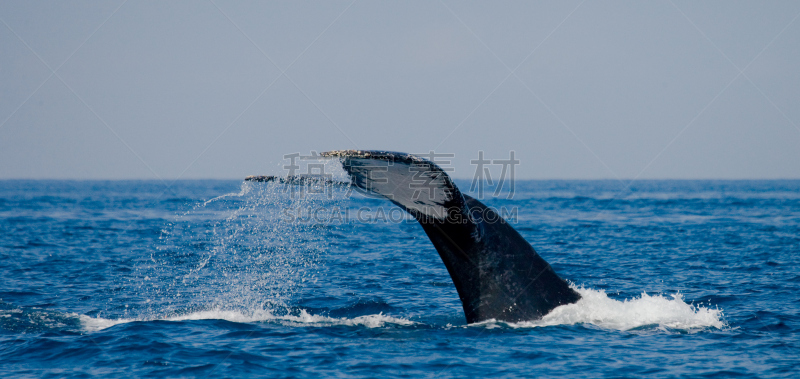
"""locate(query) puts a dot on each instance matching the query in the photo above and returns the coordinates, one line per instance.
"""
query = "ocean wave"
(93, 324)
(657, 311)
(594, 308)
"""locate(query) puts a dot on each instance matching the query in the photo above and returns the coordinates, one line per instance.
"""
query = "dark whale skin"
(497, 273)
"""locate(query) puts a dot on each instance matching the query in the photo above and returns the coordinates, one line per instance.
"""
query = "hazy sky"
(218, 89)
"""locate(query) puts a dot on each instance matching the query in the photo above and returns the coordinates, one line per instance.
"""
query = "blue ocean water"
(241, 279)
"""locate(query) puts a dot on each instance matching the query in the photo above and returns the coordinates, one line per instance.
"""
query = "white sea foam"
(370, 321)
(244, 190)
(596, 308)
(93, 324)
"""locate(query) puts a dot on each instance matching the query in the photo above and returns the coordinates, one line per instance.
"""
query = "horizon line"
(456, 178)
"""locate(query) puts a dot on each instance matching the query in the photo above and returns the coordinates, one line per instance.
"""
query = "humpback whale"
(497, 273)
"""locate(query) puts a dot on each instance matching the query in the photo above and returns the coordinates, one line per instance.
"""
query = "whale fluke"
(296, 179)
(498, 275)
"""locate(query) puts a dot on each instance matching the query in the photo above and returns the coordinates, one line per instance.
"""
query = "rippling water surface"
(232, 279)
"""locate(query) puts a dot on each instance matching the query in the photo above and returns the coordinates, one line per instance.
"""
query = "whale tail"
(498, 275)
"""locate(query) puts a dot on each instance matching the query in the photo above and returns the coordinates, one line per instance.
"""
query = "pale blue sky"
(594, 89)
